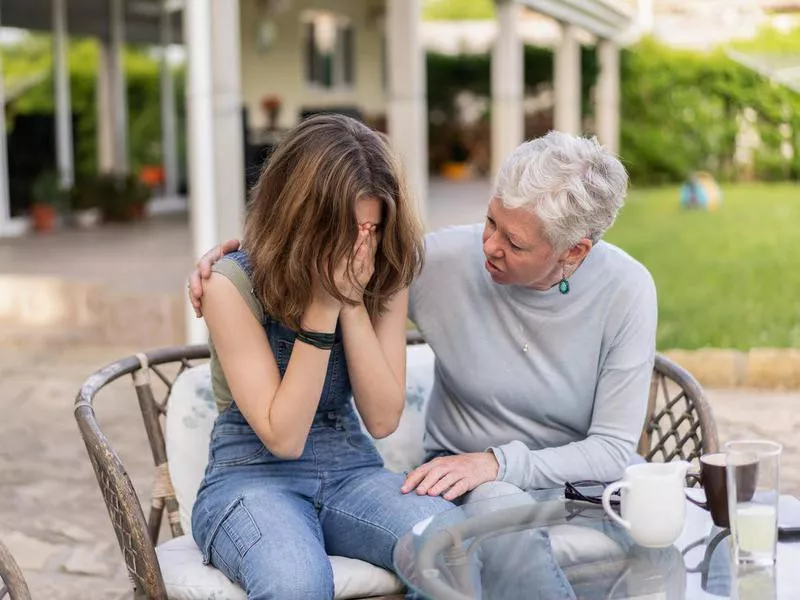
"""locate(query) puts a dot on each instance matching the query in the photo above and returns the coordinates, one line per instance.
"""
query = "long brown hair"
(301, 217)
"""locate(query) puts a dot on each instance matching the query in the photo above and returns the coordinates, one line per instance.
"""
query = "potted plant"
(138, 195)
(85, 199)
(271, 105)
(48, 199)
(123, 198)
(457, 167)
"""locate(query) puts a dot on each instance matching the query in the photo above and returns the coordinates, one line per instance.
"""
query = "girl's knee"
(287, 577)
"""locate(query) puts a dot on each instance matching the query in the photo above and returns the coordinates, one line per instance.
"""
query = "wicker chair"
(680, 425)
(12, 582)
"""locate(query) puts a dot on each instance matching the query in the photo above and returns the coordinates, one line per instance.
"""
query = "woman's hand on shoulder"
(202, 271)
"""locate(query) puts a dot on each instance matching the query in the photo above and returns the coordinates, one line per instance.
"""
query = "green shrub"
(143, 93)
(681, 111)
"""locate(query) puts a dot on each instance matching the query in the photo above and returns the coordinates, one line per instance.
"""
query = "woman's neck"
(558, 275)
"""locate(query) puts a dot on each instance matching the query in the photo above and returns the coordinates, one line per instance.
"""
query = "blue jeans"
(269, 523)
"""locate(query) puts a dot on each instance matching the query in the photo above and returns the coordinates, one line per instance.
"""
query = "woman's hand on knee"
(452, 476)
(202, 271)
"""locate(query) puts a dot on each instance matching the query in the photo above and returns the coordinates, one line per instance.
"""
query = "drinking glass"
(753, 499)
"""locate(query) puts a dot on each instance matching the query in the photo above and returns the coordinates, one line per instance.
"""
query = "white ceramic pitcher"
(653, 504)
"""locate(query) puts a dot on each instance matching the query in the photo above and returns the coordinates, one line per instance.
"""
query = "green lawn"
(728, 279)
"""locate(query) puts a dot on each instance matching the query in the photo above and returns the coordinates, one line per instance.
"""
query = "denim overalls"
(269, 523)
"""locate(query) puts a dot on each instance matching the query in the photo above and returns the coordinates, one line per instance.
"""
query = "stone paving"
(51, 513)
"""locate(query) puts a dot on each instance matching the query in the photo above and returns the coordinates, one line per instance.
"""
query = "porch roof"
(598, 17)
(92, 18)
(780, 68)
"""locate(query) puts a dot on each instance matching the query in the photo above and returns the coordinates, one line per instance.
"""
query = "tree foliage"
(457, 10)
(683, 111)
(31, 61)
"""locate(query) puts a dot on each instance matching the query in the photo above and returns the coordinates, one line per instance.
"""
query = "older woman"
(544, 335)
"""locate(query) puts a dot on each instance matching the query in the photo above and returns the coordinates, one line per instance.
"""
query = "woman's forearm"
(594, 458)
(292, 409)
(377, 390)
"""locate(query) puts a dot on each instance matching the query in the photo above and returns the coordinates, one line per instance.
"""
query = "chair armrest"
(124, 507)
(119, 495)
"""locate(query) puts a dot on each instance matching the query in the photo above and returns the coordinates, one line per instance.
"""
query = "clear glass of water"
(753, 473)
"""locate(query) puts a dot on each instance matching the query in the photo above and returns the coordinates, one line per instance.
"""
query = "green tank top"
(244, 285)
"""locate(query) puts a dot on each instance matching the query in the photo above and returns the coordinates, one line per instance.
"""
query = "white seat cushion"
(187, 578)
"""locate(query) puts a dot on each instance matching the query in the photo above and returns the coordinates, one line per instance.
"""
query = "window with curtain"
(329, 45)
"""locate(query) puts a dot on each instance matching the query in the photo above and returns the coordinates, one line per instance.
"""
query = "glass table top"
(542, 546)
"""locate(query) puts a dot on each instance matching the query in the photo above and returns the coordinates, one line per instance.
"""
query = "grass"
(726, 279)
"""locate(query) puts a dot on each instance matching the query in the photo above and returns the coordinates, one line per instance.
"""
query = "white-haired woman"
(544, 335)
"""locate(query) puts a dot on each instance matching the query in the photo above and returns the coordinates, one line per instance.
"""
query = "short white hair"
(573, 184)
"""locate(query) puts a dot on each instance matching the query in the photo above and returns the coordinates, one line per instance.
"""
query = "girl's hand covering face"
(364, 263)
(352, 281)
(352, 277)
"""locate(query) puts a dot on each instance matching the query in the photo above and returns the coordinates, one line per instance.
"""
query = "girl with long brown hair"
(311, 311)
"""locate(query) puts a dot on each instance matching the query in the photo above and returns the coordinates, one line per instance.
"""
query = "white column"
(64, 158)
(607, 111)
(644, 16)
(567, 82)
(105, 112)
(508, 117)
(215, 148)
(407, 102)
(5, 205)
(119, 99)
(200, 134)
(168, 137)
(228, 135)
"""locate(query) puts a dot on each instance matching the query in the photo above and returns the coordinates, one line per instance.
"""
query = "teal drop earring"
(563, 285)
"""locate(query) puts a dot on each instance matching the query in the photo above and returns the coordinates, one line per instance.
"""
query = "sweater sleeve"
(618, 414)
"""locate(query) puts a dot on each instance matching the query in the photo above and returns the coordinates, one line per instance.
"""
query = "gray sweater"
(556, 385)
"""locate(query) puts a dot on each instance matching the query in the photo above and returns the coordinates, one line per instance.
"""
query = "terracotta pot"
(43, 217)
